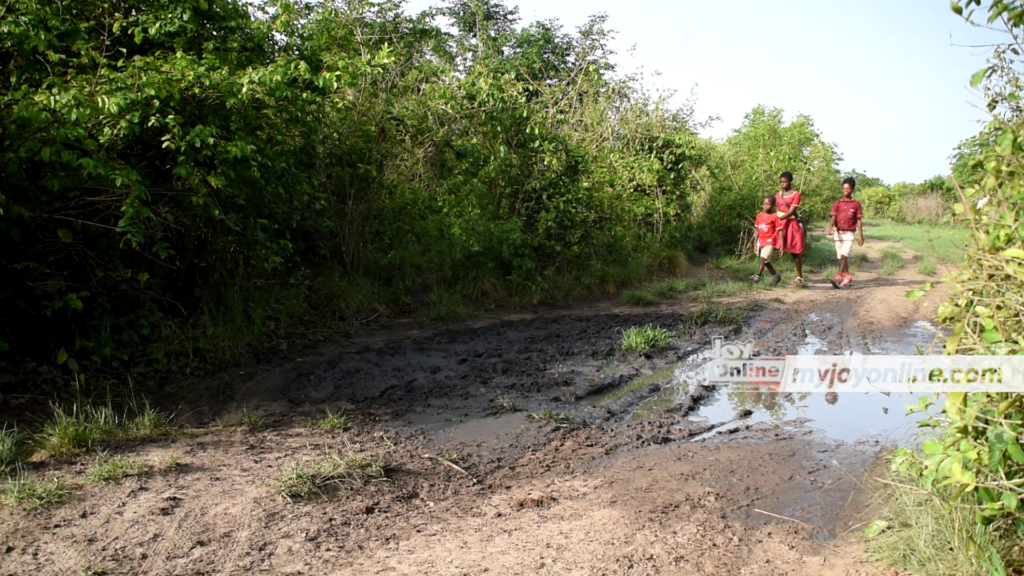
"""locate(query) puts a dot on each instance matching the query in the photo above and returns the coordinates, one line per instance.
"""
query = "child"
(847, 217)
(767, 232)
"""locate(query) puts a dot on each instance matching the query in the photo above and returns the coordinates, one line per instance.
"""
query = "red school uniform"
(767, 229)
(847, 214)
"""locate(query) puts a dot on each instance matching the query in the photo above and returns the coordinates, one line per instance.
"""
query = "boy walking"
(847, 219)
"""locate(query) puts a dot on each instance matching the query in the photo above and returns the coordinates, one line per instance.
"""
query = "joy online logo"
(731, 362)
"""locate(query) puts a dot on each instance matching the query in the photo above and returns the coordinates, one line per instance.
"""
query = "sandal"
(798, 280)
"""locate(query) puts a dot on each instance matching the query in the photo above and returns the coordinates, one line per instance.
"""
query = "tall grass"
(8, 448)
(922, 536)
(71, 430)
(929, 208)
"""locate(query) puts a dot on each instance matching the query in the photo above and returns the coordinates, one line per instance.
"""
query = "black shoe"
(834, 283)
(776, 279)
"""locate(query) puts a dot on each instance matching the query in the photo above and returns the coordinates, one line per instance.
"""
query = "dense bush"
(977, 462)
(188, 181)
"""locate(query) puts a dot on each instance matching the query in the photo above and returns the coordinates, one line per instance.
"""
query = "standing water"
(847, 416)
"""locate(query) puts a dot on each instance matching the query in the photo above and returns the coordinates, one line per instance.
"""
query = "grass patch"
(645, 338)
(173, 463)
(8, 448)
(715, 289)
(91, 570)
(69, 431)
(108, 470)
(503, 405)
(947, 244)
(923, 537)
(713, 315)
(892, 262)
(310, 479)
(33, 494)
(549, 414)
(333, 421)
(650, 295)
(251, 419)
(926, 265)
(639, 298)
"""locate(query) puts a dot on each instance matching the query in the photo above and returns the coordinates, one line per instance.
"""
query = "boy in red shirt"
(847, 218)
(768, 225)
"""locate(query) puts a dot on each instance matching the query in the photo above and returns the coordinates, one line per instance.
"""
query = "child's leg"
(767, 264)
(844, 265)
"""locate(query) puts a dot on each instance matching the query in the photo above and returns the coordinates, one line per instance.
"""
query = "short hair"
(787, 176)
(771, 198)
(851, 182)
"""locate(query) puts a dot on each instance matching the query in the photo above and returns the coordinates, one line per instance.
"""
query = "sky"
(882, 79)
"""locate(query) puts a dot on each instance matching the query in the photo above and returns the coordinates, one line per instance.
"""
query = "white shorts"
(765, 252)
(844, 243)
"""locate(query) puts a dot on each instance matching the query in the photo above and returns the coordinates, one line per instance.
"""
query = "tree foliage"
(977, 461)
(187, 181)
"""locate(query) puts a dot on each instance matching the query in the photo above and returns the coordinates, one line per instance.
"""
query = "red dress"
(792, 236)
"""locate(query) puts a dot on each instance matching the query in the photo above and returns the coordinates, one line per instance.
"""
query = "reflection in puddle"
(848, 416)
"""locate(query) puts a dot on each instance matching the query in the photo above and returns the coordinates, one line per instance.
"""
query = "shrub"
(645, 338)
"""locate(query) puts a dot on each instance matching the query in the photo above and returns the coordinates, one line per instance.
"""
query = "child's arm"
(831, 224)
(860, 225)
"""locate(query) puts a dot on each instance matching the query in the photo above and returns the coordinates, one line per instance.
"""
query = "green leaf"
(955, 404)
(4, 346)
(1011, 501)
(65, 234)
(957, 8)
(62, 356)
(931, 447)
(991, 336)
(915, 294)
(978, 77)
(1014, 253)
(1014, 450)
(875, 528)
(1006, 140)
(72, 364)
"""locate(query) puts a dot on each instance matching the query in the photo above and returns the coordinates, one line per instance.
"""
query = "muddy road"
(648, 472)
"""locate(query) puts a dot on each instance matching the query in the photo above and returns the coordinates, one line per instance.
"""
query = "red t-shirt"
(847, 213)
(767, 228)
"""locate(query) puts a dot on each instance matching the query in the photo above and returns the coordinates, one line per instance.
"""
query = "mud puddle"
(845, 417)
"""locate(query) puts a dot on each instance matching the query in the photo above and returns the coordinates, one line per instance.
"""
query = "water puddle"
(847, 416)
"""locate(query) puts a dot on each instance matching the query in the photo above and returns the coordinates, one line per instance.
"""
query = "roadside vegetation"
(956, 508)
(410, 167)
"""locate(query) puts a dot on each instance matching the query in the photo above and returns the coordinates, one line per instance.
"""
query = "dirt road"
(660, 477)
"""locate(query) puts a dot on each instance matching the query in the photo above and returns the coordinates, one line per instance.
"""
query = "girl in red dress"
(791, 232)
